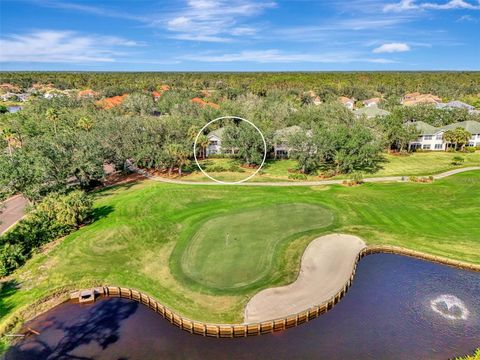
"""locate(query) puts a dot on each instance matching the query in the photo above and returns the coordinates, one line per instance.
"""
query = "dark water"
(387, 314)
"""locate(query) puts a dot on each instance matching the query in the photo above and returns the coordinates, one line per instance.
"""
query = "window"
(439, 137)
(427, 137)
(426, 147)
(438, 146)
(214, 142)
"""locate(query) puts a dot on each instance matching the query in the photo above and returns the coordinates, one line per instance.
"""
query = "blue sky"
(239, 35)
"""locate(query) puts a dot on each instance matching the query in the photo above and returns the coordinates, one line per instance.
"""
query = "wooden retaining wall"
(254, 329)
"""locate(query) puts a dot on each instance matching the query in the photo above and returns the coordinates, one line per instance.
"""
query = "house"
(203, 103)
(371, 111)
(9, 88)
(215, 142)
(111, 102)
(347, 102)
(431, 138)
(281, 149)
(372, 102)
(88, 93)
(156, 95)
(417, 98)
(473, 127)
(455, 105)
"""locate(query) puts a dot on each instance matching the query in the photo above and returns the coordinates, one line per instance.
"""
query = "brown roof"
(87, 93)
(345, 100)
(203, 103)
(417, 98)
(10, 87)
(111, 102)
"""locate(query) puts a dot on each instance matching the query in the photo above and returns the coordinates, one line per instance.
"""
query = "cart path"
(304, 183)
(13, 210)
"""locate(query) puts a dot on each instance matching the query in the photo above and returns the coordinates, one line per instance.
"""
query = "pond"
(14, 109)
(398, 307)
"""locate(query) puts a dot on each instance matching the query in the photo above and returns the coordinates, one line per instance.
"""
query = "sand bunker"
(327, 265)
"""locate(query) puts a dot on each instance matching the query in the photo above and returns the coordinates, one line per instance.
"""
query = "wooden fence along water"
(253, 329)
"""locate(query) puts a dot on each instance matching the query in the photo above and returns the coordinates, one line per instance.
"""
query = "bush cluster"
(55, 216)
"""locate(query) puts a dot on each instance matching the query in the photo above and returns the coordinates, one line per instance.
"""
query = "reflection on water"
(398, 308)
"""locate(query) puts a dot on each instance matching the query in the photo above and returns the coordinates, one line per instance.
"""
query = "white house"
(281, 148)
(431, 138)
(455, 105)
(372, 102)
(215, 142)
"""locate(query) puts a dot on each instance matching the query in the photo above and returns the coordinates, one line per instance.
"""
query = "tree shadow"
(101, 212)
(99, 327)
(7, 289)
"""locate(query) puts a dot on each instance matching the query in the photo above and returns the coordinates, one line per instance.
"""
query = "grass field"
(248, 239)
(427, 163)
(170, 241)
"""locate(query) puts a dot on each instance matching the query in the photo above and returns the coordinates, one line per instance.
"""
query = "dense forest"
(151, 119)
(360, 85)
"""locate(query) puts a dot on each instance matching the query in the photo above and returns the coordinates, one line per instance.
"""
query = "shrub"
(297, 176)
(457, 160)
(421, 179)
(11, 257)
(57, 215)
(356, 177)
(470, 149)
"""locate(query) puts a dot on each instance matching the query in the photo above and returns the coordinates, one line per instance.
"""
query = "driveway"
(12, 211)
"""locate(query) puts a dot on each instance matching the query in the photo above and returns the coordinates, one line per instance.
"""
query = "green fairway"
(236, 250)
(170, 241)
(421, 163)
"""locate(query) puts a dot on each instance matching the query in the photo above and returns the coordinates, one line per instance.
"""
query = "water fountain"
(450, 307)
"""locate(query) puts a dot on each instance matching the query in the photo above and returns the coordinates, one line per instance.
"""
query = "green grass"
(234, 239)
(169, 241)
(427, 163)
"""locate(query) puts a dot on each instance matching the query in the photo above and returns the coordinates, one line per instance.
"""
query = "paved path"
(304, 183)
(327, 265)
(12, 212)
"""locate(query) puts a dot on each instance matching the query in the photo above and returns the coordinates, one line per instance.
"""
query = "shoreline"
(233, 330)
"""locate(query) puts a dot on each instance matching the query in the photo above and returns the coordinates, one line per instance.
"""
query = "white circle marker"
(229, 182)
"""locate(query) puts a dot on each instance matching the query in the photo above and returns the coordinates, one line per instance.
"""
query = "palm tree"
(203, 143)
(85, 123)
(12, 140)
(52, 115)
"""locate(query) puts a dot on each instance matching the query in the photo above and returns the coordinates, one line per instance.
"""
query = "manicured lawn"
(427, 163)
(247, 239)
(170, 241)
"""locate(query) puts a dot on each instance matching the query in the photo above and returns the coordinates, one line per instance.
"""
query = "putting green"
(237, 250)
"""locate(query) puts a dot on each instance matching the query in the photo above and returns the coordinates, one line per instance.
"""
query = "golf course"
(204, 251)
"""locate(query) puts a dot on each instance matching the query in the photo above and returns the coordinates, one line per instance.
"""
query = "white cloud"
(61, 47)
(406, 5)
(277, 56)
(391, 48)
(213, 21)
